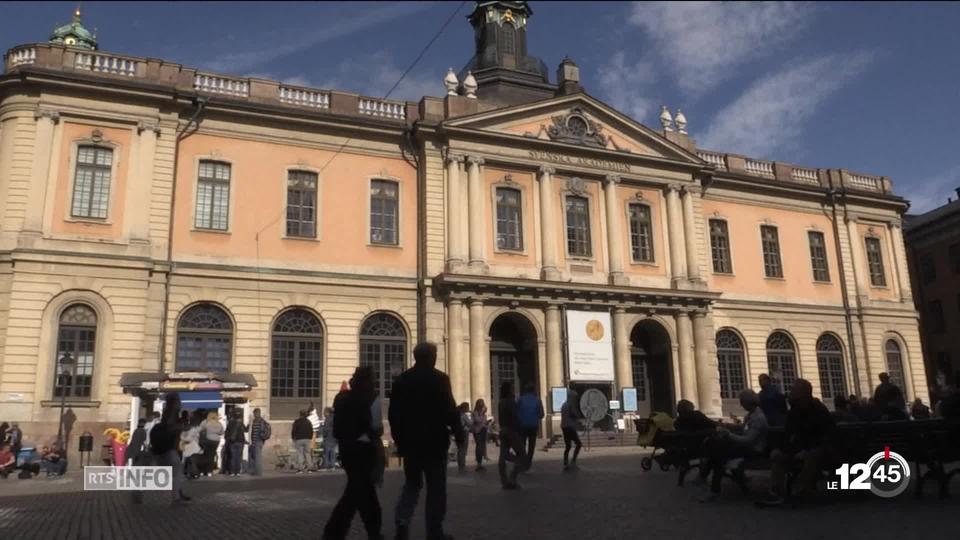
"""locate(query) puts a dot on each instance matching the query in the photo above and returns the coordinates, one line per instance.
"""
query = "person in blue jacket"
(531, 413)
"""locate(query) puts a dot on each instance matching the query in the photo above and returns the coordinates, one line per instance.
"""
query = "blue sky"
(872, 88)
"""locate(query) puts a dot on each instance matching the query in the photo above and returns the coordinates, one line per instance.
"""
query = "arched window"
(383, 347)
(781, 360)
(730, 359)
(895, 363)
(76, 337)
(830, 365)
(296, 362)
(204, 339)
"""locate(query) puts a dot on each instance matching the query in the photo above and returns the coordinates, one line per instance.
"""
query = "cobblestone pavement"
(608, 498)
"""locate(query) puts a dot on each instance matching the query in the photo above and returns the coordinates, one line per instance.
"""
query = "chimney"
(568, 77)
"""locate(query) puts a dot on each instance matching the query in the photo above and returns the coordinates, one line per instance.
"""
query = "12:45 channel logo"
(886, 474)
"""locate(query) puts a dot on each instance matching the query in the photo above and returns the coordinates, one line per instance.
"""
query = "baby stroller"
(649, 433)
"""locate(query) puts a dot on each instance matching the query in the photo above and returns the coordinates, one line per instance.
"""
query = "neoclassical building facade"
(158, 218)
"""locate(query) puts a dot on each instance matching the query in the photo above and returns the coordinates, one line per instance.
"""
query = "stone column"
(457, 368)
(554, 347)
(42, 152)
(479, 362)
(899, 251)
(548, 225)
(708, 376)
(678, 262)
(860, 276)
(614, 229)
(685, 360)
(690, 233)
(455, 255)
(621, 349)
(136, 221)
(477, 228)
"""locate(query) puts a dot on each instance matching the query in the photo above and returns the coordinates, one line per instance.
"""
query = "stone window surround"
(216, 156)
(653, 232)
(172, 351)
(826, 256)
(525, 197)
(591, 211)
(716, 216)
(368, 196)
(873, 235)
(317, 229)
(760, 226)
(72, 162)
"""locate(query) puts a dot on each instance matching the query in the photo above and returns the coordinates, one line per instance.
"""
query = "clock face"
(70, 41)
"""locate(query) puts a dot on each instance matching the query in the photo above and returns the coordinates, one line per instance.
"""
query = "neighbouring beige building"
(155, 218)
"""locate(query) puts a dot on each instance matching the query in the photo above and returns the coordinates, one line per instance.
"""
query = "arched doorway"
(513, 354)
(650, 355)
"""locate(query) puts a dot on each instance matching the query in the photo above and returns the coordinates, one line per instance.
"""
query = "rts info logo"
(886, 474)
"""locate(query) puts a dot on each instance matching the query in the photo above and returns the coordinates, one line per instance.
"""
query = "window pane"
(720, 247)
(731, 363)
(894, 363)
(818, 256)
(875, 262)
(641, 237)
(771, 252)
(509, 230)
(91, 185)
(578, 227)
(383, 212)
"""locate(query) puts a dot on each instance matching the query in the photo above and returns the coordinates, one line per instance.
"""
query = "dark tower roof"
(505, 73)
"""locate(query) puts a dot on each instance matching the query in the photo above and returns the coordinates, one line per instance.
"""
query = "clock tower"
(505, 73)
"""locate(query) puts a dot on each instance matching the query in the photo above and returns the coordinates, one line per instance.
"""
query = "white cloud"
(375, 74)
(771, 112)
(334, 28)
(700, 42)
(627, 87)
(929, 193)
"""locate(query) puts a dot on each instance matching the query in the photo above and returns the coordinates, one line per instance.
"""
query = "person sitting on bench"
(727, 445)
(806, 434)
(690, 419)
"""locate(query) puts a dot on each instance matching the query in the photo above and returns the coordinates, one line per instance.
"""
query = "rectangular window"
(720, 247)
(213, 196)
(91, 182)
(578, 227)
(818, 256)
(772, 267)
(928, 269)
(641, 233)
(384, 208)
(302, 204)
(875, 262)
(937, 322)
(954, 252)
(509, 219)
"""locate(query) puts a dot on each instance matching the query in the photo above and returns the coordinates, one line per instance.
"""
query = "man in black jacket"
(423, 415)
(354, 430)
(807, 434)
(302, 435)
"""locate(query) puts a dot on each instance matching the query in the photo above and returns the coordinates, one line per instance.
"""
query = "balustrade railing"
(806, 176)
(381, 108)
(103, 63)
(218, 84)
(864, 181)
(23, 57)
(714, 159)
(760, 168)
(304, 97)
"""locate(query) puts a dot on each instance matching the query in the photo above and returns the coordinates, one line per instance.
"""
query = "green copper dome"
(74, 34)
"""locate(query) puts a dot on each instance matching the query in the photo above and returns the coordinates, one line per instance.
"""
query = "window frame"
(731, 393)
(93, 341)
(780, 355)
(897, 373)
(763, 250)
(316, 204)
(825, 257)
(214, 182)
(297, 339)
(876, 270)
(713, 247)
(205, 334)
(397, 215)
(651, 242)
(825, 359)
(521, 199)
(567, 227)
(94, 167)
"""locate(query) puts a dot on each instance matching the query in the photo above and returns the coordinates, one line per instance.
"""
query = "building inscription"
(580, 161)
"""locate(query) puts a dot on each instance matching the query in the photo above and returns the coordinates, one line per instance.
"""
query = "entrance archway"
(513, 354)
(651, 358)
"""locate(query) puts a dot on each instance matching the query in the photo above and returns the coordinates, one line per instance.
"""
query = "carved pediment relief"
(575, 127)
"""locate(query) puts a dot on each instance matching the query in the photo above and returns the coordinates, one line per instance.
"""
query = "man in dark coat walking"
(423, 415)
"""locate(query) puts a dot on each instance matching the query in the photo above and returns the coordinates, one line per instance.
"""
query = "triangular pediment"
(580, 120)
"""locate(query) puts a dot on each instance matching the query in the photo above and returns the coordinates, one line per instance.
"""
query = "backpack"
(162, 438)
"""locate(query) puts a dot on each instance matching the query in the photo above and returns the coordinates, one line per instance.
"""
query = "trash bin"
(86, 442)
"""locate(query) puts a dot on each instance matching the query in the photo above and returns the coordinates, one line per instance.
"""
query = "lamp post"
(65, 363)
